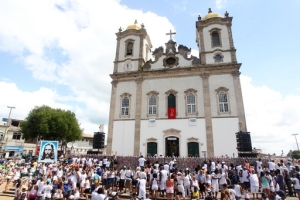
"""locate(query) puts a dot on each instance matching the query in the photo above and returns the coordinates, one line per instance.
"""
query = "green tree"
(47, 123)
(296, 154)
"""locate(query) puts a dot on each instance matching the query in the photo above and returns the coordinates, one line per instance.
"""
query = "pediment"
(172, 132)
(152, 139)
(193, 139)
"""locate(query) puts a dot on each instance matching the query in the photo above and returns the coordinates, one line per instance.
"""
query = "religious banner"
(48, 151)
(172, 113)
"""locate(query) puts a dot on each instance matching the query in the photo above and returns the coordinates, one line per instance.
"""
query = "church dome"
(210, 15)
(134, 26)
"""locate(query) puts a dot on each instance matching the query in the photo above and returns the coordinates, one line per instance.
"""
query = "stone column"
(207, 113)
(117, 55)
(239, 100)
(111, 117)
(202, 48)
(232, 49)
(137, 127)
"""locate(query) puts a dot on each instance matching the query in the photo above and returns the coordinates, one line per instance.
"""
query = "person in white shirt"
(271, 165)
(142, 188)
(141, 161)
(254, 184)
(212, 166)
(258, 164)
(47, 190)
(180, 187)
(40, 184)
(296, 184)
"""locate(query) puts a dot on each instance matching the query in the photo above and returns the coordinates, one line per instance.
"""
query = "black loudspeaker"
(243, 140)
(99, 140)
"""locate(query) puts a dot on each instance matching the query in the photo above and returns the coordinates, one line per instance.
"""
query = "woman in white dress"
(154, 185)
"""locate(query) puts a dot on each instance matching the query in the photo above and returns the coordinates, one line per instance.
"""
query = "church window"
(125, 106)
(223, 102)
(215, 35)
(215, 38)
(218, 57)
(152, 105)
(171, 105)
(129, 48)
(191, 103)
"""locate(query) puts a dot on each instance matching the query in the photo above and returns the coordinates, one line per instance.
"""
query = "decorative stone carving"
(158, 52)
(170, 60)
(192, 139)
(147, 65)
(221, 89)
(152, 139)
(172, 132)
(183, 50)
(171, 47)
(195, 60)
(171, 92)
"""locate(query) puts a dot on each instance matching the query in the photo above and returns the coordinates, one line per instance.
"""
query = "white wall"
(182, 125)
(123, 137)
(224, 130)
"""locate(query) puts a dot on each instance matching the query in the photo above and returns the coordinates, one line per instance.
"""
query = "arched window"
(129, 48)
(125, 106)
(223, 102)
(215, 38)
(191, 103)
(152, 105)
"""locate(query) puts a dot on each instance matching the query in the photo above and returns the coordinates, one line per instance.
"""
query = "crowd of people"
(99, 178)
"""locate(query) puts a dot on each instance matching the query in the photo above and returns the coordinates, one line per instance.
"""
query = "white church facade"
(165, 102)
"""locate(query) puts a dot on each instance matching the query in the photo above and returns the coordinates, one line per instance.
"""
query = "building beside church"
(167, 102)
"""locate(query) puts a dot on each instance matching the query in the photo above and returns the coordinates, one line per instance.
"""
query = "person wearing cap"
(180, 180)
(47, 190)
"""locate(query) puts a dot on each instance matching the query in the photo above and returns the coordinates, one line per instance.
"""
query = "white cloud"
(220, 3)
(271, 118)
(82, 33)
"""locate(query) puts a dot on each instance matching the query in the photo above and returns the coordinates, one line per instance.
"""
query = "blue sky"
(60, 53)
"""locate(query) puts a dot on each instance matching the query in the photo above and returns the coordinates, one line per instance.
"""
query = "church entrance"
(172, 146)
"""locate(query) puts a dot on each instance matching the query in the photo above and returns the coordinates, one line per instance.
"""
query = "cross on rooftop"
(171, 34)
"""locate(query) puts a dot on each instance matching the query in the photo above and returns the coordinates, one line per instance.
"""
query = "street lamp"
(295, 134)
(8, 125)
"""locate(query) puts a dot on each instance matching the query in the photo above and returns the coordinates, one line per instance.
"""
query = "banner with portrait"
(48, 151)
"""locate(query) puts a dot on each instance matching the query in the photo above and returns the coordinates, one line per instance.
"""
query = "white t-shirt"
(47, 191)
(271, 165)
(142, 161)
(212, 166)
(258, 164)
(40, 185)
(254, 180)
(296, 184)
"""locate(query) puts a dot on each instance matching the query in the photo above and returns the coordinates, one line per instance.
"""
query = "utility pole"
(8, 123)
(7, 127)
(295, 134)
